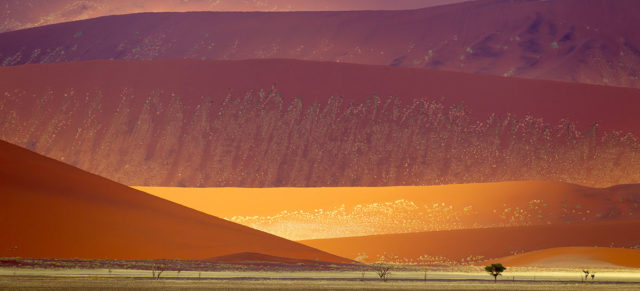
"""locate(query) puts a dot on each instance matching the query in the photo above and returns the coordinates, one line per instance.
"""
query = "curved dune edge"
(52, 210)
(320, 212)
(573, 257)
(469, 246)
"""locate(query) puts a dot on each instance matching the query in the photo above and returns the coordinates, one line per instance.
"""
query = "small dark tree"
(156, 271)
(586, 274)
(383, 271)
(178, 266)
(495, 270)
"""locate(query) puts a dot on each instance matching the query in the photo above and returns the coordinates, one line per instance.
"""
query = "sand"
(585, 257)
(52, 210)
(572, 40)
(311, 213)
(457, 247)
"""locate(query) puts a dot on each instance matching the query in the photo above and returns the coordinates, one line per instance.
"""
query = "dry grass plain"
(452, 279)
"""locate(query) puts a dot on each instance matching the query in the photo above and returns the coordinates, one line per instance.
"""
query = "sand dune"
(306, 213)
(20, 14)
(476, 245)
(262, 258)
(568, 40)
(581, 257)
(52, 210)
(195, 124)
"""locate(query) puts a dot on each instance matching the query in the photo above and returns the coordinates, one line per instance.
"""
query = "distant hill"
(52, 210)
(269, 123)
(467, 246)
(586, 41)
(20, 14)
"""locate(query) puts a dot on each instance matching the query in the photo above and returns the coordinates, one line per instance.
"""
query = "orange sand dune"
(52, 210)
(574, 257)
(306, 213)
(474, 245)
(262, 258)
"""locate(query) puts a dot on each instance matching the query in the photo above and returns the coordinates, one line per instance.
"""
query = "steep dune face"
(321, 212)
(581, 257)
(570, 40)
(20, 14)
(52, 210)
(474, 245)
(209, 123)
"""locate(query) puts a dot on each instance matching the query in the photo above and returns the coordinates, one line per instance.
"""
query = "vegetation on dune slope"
(262, 140)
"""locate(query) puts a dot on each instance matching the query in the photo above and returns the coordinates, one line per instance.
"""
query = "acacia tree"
(586, 274)
(495, 270)
(383, 271)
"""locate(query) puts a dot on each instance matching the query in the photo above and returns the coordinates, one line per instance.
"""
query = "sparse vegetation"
(160, 266)
(156, 271)
(262, 140)
(586, 274)
(383, 271)
(495, 270)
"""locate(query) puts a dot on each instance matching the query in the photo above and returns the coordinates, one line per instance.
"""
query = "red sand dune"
(20, 14)
(170, 124)
(262, 258)
(52, 210)
(473, 245)
(588, 41)
(585, 257)
(321, 212)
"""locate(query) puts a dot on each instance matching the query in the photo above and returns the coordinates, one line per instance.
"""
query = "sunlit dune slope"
(52, 210)
(587, 41)
(206, 124)
(305, 213)
(581, 257)
(475, 245)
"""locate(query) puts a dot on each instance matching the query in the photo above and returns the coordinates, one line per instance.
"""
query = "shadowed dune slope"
(19, 14)
(473, 245)
(262, 258)
(583, 257)
(192, 80)
(587, 41)
(52, 210)
(386, 210)
(193, 123)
